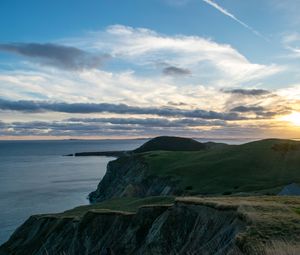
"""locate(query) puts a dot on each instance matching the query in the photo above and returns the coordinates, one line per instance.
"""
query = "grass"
(282, 248)
(120, 205)
(297, 210)
(273, 222)
(263, 167)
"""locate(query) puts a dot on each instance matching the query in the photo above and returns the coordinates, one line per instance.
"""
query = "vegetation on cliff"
(261, 167)
(160, 225)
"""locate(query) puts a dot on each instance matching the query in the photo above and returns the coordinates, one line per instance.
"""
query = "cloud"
(85, 108)
(103, 129)
(230, 15)
(206, 59)
(248, 109)
(151, 122)
(248, 92)
(59, 56)
(291, 38)
(291, 42)
(107, 127)
(81, 129)
(134, 87)
(176, 71)
(259, 111)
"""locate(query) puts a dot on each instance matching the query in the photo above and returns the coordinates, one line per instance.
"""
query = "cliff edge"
(189, 226)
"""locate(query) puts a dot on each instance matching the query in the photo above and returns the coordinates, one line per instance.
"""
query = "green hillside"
(264, 166)
(124, 204)
(170, 143)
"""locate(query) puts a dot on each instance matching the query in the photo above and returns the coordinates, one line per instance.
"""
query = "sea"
(36, 177)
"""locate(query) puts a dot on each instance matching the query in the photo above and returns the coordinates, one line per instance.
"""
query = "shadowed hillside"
(170, 143)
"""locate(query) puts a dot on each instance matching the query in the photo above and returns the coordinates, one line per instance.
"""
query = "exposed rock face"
(171, 229)
(128, 176)
(290, 190)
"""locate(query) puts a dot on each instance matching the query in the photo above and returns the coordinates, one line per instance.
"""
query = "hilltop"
(161, 143)
(171, 143)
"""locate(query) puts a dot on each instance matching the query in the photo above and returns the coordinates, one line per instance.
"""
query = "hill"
(256, 166)
(171, 143)
(261, 167)
(161, 143)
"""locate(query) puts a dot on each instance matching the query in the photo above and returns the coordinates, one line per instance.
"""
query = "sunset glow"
(293, 118)
(176, 73)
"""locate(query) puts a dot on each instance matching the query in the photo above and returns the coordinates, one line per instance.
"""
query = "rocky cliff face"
(129, 176)
(182, 228)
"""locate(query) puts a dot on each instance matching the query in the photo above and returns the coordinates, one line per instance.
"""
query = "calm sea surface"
(35, 177)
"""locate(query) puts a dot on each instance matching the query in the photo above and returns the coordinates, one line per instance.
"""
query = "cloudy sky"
(142, 68)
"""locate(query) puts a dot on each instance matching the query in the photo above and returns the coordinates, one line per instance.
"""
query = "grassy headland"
(263, 166)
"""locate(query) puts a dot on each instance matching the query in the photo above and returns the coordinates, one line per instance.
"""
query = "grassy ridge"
(257, 166)
(125, 204)
(270, 218)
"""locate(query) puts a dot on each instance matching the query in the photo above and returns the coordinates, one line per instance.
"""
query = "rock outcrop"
(129, 177)
(190, 225)
(182, 228)
(290, 190)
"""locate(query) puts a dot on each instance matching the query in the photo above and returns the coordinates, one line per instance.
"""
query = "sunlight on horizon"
(293, 118)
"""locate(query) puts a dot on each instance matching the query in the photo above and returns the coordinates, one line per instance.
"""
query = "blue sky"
(112, 68)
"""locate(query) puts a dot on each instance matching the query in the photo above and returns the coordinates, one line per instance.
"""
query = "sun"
(293, 118)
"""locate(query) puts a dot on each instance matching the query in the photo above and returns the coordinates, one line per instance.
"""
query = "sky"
(143, 68)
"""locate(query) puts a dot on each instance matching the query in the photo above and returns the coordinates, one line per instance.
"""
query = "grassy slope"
(126, 204)
(256, 166)
(170, 143)
(271, 219)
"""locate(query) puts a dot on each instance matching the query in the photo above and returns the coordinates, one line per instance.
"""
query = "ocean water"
(35, 178)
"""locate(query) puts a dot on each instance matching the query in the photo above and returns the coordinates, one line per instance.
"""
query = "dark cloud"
(248, 109)
(40, 106)
(259, 111)
(175, 71)
(56, 55)
(177, 103)
(248, 92)
(88, 128)
(152, 122)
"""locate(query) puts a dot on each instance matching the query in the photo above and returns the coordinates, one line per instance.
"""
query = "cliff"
(189, 226)
(129, 176)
